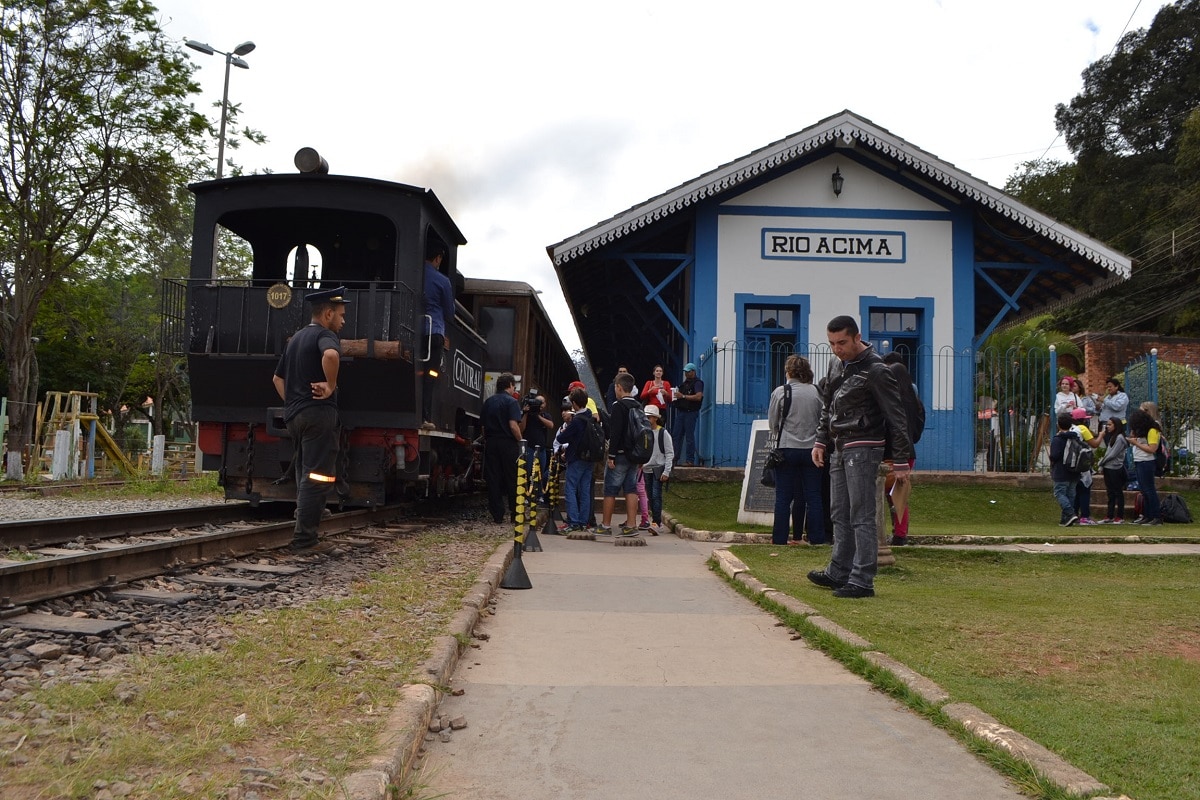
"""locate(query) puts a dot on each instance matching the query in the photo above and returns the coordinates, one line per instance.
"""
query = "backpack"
(591, 446)
(640, 436)
(1077, 456)
(1162, 457)
(1174, 509)
(914, 409)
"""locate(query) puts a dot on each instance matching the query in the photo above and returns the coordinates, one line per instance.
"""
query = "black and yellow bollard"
(516, 577)
(555, 489)
(528, 470)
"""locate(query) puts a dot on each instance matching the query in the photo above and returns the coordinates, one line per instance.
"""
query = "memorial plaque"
(758, 502)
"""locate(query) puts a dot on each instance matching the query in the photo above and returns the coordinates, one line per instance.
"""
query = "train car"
(521, 339)
(313, 230)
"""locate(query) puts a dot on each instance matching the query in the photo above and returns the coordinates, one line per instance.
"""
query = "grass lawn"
(1096, 656)
(936, 510)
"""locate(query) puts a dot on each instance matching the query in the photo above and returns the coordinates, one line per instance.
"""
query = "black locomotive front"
(311, 231)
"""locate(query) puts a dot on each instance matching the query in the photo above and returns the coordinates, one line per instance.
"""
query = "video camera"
(532, 403)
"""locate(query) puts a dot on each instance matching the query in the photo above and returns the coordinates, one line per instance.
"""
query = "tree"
(1013, 382)
(93, 103)
(1135, 182)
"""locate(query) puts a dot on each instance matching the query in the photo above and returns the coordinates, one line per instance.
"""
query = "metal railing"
(986, 410)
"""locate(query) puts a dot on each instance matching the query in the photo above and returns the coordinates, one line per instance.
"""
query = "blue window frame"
(906, 325)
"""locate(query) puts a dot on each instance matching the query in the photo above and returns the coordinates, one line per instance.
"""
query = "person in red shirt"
(657, 392)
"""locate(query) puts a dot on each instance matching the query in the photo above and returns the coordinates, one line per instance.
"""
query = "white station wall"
(835, 286)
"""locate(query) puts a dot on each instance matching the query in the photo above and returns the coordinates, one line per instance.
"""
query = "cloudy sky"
(533, 120)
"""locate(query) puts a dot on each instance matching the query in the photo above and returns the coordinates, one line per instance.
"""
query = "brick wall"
(1106, 354)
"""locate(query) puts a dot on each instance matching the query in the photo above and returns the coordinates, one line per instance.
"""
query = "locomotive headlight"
(314, 476)
(433, 373)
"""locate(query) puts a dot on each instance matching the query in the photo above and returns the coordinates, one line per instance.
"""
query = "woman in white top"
(1066, 400)
(797, 479)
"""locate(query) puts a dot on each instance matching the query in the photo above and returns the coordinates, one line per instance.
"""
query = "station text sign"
(800, 244)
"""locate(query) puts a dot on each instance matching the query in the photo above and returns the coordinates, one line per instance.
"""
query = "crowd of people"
(1131, 442)
(509, 419)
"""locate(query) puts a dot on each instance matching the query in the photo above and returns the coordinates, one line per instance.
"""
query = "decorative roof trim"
(852, 130)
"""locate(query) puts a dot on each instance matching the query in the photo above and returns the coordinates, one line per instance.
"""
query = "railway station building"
(741, 266)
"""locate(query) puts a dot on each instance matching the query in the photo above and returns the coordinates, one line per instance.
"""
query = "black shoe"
(822, 579)
(315, 548)
(898, 541)
(850, 590)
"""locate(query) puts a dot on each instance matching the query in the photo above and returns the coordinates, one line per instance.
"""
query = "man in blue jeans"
(685, 409)
(861, 412)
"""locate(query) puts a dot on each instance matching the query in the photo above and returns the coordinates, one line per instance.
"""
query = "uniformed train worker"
(307, 380)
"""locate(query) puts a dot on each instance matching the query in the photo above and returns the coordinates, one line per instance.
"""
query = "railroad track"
(158, 548)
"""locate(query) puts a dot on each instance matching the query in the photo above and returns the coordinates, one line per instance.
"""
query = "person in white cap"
(658, 469)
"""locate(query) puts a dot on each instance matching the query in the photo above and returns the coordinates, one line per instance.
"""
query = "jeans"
(683, 433)
(797, 497)
(654, 493)
(853, 473)
(1145, 479)
(314, 432)
(1064, 493)
(579, 493)
(432, 363)
(1083, 500)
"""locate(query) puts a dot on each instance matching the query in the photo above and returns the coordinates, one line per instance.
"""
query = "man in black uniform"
(306, 380)
(501, 447)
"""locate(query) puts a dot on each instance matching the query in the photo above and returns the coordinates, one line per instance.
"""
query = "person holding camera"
(536, 425)
(793, 414)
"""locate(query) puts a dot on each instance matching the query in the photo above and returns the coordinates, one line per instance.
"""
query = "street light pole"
(231, 60)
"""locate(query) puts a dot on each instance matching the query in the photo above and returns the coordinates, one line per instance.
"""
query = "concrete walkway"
(634, 672)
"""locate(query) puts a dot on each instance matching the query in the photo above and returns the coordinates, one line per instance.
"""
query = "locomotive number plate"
(279, 295)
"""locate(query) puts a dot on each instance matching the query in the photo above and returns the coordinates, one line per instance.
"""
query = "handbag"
(774, 457)
(768, 475)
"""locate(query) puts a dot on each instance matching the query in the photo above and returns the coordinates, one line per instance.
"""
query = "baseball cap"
(1080, 413)
(689, 367)
(576, 385)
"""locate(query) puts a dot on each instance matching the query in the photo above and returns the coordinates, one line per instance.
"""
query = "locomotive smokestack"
(309, 160)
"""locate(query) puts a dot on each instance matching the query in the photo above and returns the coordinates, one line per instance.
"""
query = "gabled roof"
(844, 129)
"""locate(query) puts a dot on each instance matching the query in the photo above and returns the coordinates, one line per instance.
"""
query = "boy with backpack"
(1065, 450)
(621, 470)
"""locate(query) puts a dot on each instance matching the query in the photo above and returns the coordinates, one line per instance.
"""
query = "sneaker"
(1118, 521)
(603, 530)
(628, 533)
(1086, 521)
(850, 590)
(1140, 521)
(822, 579)
(1155, 521)
(644, 525)
(1070, 522)
(1105, 521)
(898, 541)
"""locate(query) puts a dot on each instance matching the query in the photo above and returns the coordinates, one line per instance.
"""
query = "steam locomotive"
(309, 230)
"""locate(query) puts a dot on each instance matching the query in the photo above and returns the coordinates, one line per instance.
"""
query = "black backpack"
(914, 409)
(1174, 509)
(1162, 457)
(591, 446)
(641, 436)
(1077, 456)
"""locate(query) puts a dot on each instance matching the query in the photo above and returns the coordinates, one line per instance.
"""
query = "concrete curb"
(403, 734)
(974, 721)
